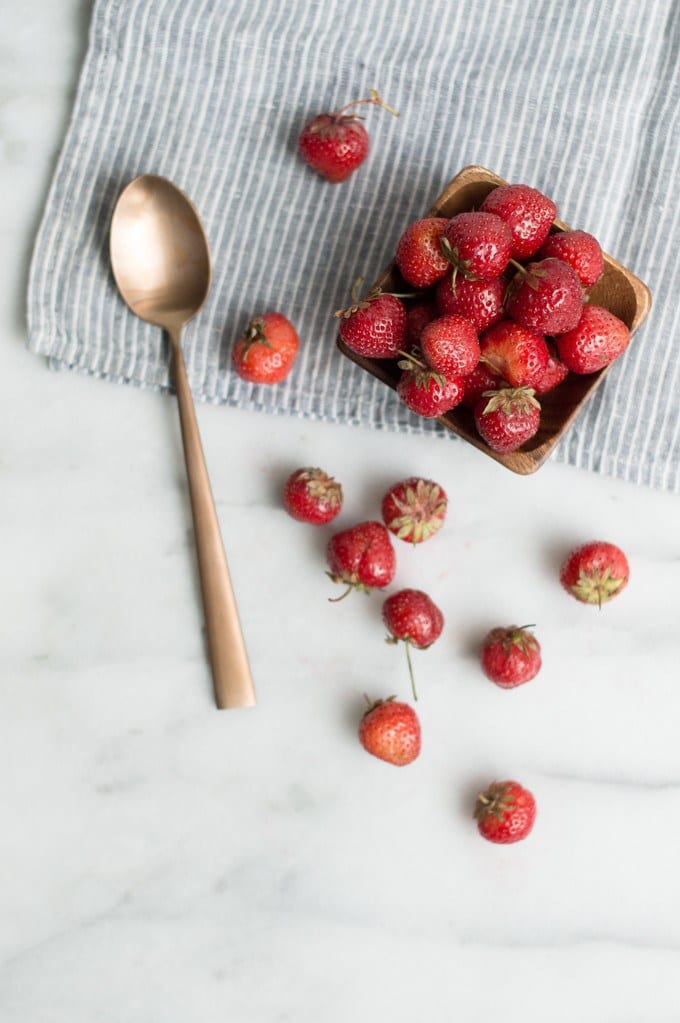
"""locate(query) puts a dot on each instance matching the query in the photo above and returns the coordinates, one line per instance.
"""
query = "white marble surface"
(165, 862)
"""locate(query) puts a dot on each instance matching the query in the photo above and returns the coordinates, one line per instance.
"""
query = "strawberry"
(546, 297)
(479, 382)
(390, 730)
(507, 418)
(266, 351)
(311, 495)
(527, 212)
(414, 509)
(598, 338)
(411, 616)
(418, 315)
(450, 345)
(334, 145)
(419, 256)
(478, 245)
(578, 248)
(554, 373)
(362, 558)
(595, 572)
(374, 326)
(510, 656)
(480, 302)
(425, 392)
(505, 812)
(519, 355)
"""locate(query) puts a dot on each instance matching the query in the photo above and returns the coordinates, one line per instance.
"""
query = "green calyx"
(511, 400)
(597, 587)
(460, 266)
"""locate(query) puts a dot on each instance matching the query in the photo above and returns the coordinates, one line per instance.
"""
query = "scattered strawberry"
(598, 338)
(425, 392)
(578, 248)
(418, 315)
(414, 509)
(336, 144)
(419, 256)
(507, 418)
(519, 355)
(527, 212)
(374, 326)
(480, 302)
(554, 373)
(266, 351)
(390, 730)
(479, 382)
(450, 345)
(311, 495)
(505, 812)
(362, 558)
(595, 572)
(411, 616)
(545, 296)
(511, 656)
(478, 245)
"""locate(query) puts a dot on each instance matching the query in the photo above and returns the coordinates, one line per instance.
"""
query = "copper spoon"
(161, 262)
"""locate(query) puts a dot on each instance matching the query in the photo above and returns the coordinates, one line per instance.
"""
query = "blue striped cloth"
(579, 99)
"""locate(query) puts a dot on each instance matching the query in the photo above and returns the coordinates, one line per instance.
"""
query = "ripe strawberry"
(546, 297)
(390, 731)
(480, 302)
(425, 392)
(411, 616)
(555, 372)
(418, 315)
(510, 656)
(479, 382)
(507, 418)
(450, 345)
(266, 351)
(336, 144)
(478, 245)
(374, 326)
(578, 248)
(311, 495)
(505, 812)
(527, 212)
(419, 256)
(414, 509)
(362, 558)
(598, 338)
(519, 355)
(595, 572)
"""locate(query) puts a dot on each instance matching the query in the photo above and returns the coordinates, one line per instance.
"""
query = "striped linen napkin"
(581, 100)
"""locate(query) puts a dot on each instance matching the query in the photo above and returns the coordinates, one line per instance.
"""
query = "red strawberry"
(336, 144)
(479, 382)
(362, 558)
(511, 656)
(411, 616)
(578, 248)
(480, 302)
(595, 572)
(418, 315)
(507, 418)
(375, 326)
(266, 351)
(390, 731)
(546, 297)
(555, 372)
(527, 212)
(450, 345)
(311, 495)
(414, 509)
(519, 355)
(425, 392)
(419, 256)
(505, 812)
(478, 245)
(598, 338)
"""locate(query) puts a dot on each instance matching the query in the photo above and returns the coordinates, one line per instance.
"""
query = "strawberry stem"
(374, 99)
(407, 644)
(518, 266)
(335, 600)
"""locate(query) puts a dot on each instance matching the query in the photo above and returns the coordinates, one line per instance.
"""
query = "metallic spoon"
(161, 262)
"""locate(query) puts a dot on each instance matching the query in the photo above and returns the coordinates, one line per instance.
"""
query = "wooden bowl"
(618, 290)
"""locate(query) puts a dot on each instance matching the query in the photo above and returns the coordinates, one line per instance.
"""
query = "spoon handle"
(231, 671)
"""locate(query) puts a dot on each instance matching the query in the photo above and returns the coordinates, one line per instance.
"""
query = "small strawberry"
(578, 248)
(266, 351)
(362, 557)
(598, 338)
(554, 373)
(414, 509)
(480, 302)
(479, 382)
(425, 392)
(519, 355)
(419, 256)
(478, 245)
(418, 315)
(390, 730)
(450, 345)
(374, 326)
(507, 418)
(505, 812)
(311, 495)
(334, 145)
(527, 212)
(411, 616)
(511, 656)
(545, 296)
(595, 572)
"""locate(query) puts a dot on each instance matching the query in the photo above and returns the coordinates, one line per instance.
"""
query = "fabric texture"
(581, 100)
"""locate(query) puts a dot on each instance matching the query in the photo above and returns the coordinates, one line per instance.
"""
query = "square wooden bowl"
(618, 290)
